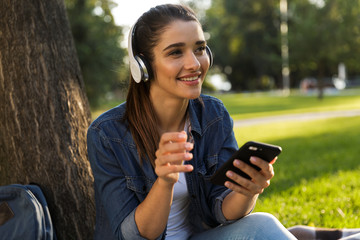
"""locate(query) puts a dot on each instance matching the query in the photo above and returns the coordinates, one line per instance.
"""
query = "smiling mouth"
(189, 79)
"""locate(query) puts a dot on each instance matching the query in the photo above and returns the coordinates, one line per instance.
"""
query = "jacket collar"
(195, 109)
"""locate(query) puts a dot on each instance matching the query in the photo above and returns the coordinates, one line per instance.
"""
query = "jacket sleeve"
(228, 147)
(111, 184)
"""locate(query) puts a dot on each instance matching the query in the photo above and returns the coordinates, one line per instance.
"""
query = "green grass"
(316, 179)
(251, 105)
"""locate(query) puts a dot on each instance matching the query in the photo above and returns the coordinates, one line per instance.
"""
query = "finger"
(256, 177)
(168, 140)
(173, 137)
(238, 188)
(242, 185)
(178, 147)
(267, 169)
(175, 158)
(248, 191)
(171, 148)
(273, 161)
(169, 169)
(259, 162)
(246, 168)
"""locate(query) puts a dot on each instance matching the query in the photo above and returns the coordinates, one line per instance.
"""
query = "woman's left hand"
(259, 179)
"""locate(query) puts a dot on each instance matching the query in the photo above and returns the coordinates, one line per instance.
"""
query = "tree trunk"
(44, 113)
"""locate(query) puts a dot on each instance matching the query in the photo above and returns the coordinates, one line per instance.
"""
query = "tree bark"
(44, 112)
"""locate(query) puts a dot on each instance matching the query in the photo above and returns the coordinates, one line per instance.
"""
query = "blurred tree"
(322, 35)
(245, 39)
(97, 41)
(45, 113)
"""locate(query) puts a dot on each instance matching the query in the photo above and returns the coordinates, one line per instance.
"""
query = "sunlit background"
(308, 46)
(127, 12)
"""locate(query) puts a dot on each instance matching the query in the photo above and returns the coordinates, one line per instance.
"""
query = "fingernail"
(253, 159)
(229, 174)
(182, 135)
(189, 167)
(189, 146)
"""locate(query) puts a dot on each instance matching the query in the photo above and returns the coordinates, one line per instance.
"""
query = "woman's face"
(180, 61)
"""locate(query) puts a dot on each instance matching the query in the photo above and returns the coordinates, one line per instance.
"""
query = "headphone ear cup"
(145, 68)
(209, 53)
(135, 69)
(140, 69)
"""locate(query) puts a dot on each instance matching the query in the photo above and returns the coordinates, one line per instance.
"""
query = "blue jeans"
(255, 226)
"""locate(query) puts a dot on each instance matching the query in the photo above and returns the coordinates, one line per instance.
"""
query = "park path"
(297, 117)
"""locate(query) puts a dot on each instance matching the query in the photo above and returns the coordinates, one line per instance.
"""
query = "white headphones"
(140, 68)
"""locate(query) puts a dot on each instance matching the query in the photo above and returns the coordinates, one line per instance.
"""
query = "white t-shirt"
(178, 226)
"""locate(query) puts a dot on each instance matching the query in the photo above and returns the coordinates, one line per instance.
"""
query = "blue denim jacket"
(122, 183)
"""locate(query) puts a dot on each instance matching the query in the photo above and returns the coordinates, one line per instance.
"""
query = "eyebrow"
(181, 44)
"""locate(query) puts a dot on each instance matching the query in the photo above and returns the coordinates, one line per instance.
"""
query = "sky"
(128, 11)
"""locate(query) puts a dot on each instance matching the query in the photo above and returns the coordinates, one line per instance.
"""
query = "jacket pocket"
(208, 166)
(139, 184)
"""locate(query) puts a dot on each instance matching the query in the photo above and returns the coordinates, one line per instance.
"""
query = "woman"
(152, 156)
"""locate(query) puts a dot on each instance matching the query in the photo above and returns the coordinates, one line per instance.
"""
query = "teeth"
(189, 79)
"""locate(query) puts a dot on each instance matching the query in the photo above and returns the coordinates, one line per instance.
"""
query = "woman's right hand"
(173, 150)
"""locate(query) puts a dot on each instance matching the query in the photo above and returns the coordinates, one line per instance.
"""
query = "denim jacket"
(122, 183)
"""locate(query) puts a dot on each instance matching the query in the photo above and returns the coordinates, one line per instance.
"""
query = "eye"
(200, 50)
(175, 52)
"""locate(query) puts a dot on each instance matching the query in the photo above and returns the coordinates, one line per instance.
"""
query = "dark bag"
(24, 213)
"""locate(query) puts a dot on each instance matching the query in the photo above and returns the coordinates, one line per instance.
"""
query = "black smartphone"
(264, 151)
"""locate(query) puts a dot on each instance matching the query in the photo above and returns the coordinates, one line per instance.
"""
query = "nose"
(191, 61)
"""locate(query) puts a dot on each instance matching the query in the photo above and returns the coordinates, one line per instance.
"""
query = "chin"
(194, 95)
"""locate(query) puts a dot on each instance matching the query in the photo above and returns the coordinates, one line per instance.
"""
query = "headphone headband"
(210, 55)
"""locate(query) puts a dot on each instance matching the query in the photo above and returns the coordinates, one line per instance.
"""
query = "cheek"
(166, 69)
(205, 63)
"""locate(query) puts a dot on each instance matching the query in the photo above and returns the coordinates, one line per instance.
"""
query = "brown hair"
(140, 113)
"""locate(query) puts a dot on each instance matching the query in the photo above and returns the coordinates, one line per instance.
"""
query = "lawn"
(251, 105)
(316, 176)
